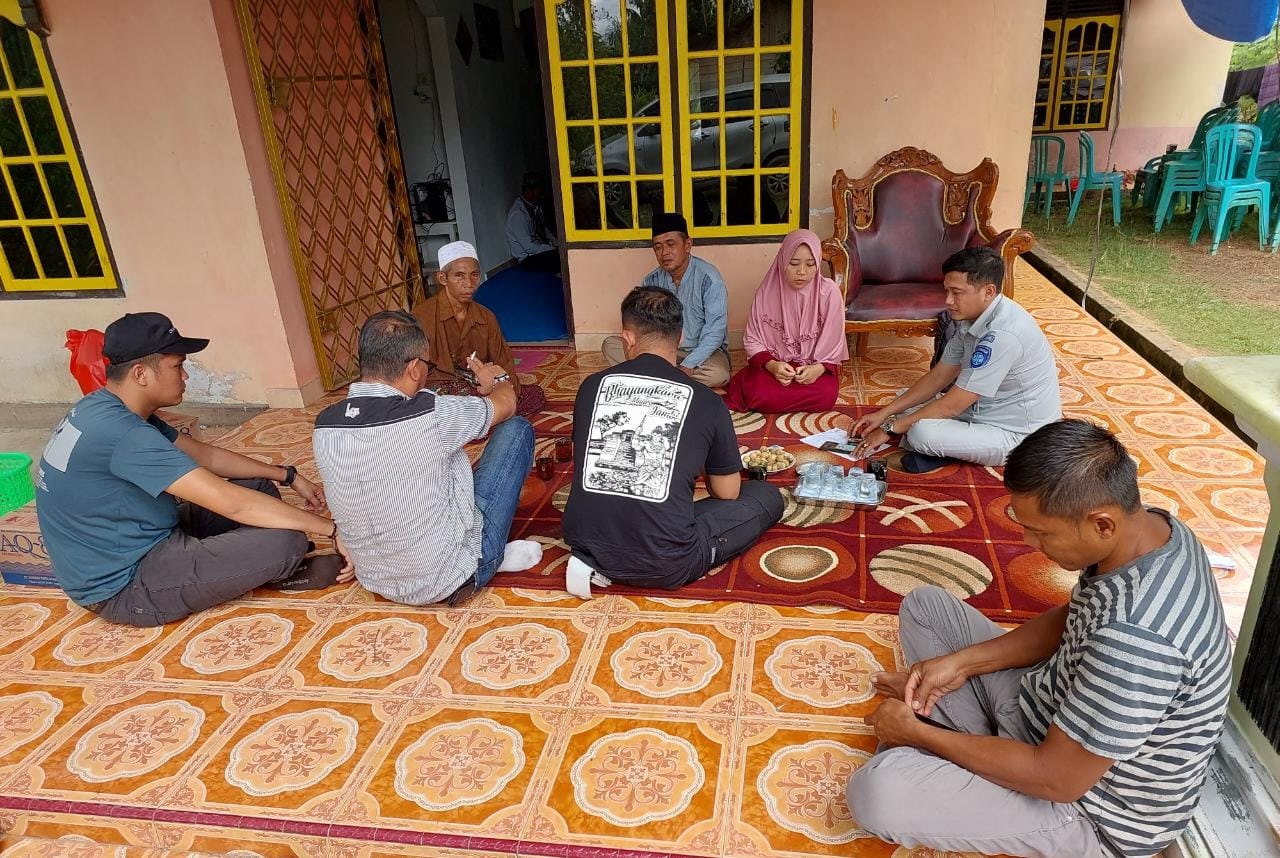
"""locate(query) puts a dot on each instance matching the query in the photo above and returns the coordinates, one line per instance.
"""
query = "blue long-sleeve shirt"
(706, 308)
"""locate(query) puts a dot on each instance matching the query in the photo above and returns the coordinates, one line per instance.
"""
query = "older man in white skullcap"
(459, 328)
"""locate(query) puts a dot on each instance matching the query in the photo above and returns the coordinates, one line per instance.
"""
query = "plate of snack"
(773, 459)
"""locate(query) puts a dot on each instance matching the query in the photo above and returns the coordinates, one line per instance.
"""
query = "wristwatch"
(887, 425)
(290, 474)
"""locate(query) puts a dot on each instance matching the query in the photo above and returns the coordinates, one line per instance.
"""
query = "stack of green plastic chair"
(1043, 179)
(1094, 181)
(1269, 163)
(1182, 172)
(1269, 159)
(1146, 180)
(1224, 191)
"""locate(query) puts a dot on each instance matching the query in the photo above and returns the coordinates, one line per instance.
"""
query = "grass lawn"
(1228, 304)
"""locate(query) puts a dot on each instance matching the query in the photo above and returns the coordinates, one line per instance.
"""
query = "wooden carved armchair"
(896, 226)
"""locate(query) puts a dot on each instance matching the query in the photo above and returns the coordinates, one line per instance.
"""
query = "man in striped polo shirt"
(1086, 731)
(420, 525)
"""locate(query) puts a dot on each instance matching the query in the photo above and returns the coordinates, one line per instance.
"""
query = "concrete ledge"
(1152, 345)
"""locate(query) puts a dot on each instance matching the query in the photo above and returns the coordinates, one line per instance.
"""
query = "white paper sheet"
(1220, 561)
(839, 436)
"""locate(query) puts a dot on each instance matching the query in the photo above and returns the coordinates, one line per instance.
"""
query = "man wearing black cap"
(703, 353)
(109, 486)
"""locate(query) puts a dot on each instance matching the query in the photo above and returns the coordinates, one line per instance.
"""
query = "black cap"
(669, 222)
(136, 335)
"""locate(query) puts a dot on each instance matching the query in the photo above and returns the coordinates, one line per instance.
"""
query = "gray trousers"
(714, 372)
(959, 439)
(913, 798)
(206, 561)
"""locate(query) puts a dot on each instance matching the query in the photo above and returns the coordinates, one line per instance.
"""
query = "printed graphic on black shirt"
(635, 430)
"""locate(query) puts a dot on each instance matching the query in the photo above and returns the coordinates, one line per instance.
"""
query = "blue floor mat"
(529, 305)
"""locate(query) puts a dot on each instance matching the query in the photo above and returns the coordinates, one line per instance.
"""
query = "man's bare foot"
(891, 684)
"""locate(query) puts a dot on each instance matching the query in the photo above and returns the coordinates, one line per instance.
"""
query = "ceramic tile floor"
(526, 722)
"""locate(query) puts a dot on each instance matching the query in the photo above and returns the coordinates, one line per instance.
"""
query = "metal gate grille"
(322, 92)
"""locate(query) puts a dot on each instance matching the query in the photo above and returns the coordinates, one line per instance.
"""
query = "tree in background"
(1263, 52)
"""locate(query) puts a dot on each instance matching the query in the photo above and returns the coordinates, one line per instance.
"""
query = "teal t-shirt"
(101, 495)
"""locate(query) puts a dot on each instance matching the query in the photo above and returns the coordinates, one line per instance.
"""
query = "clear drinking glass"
(867, 485)
(850, 486)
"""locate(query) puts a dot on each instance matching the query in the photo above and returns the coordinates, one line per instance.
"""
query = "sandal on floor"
(315, 573)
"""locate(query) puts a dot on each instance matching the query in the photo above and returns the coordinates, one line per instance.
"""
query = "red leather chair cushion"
(908, 240)
(879, 301)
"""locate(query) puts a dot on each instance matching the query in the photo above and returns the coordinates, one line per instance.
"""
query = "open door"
(321, 86)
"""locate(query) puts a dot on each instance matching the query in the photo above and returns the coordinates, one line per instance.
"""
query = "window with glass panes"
(716, 136)
(1078, 58)
(50, 237)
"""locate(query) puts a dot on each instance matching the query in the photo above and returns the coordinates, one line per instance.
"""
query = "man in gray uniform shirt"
(1000, 370)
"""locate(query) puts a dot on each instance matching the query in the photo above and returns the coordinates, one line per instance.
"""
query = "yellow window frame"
(793, 112)
(630, 122)
(70, 156)
(1060, 72)
(1051, 90)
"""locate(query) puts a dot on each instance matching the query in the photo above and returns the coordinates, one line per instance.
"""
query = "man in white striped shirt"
(1084, 732)
(417, 522)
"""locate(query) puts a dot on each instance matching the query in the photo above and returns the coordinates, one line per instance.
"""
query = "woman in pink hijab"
(795, 337)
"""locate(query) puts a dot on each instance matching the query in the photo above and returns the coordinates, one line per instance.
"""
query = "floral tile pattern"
(335, 724)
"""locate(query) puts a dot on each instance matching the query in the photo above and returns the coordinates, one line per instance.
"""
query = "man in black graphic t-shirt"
(643, 432)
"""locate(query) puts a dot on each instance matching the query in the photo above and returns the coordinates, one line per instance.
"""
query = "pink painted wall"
(876, 86)
(1172, 72)
(146, 86)
(602, 278)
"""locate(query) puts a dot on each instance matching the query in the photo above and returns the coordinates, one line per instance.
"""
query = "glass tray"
(882, 489)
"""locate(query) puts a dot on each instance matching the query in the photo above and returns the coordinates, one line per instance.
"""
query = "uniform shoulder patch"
(981, 355)
(989, 338)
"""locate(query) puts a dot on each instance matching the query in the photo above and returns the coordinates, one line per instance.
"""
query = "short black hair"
(117, 372)
(531, 180)
(1072, 467)
(979, 265)
(650, 311)
(388, 341)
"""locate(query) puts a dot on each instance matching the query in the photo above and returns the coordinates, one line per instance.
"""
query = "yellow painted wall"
(957, 78)
(146, 86)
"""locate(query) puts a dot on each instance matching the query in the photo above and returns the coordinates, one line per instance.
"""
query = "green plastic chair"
(1269, 164)
(1223, 190)
(1042, 179)
(1184, 174)
(1146, 181)
(1094, 181)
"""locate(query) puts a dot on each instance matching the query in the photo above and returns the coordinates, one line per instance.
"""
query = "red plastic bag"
(88, 366)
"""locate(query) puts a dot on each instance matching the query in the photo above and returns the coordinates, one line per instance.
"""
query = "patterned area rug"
(337, 725)
(951, 528)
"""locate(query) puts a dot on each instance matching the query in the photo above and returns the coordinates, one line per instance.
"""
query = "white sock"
(520, 554)
(577, 578)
